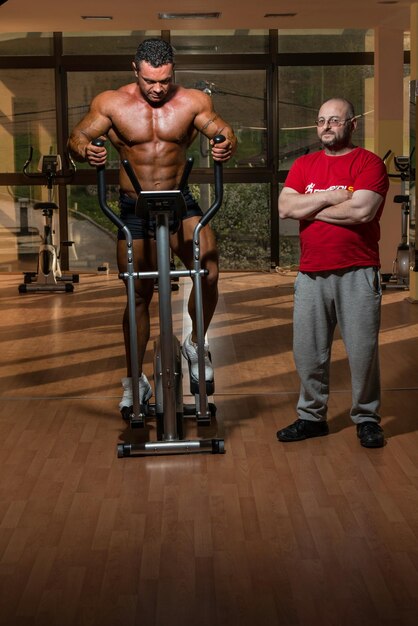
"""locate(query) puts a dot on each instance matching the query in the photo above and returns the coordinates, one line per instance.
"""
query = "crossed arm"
(337, 206)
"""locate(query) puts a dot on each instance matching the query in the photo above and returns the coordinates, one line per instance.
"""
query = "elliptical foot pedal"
(194, 383)
(190, 410)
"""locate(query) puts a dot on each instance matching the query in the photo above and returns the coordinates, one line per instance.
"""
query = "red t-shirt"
(330, 246)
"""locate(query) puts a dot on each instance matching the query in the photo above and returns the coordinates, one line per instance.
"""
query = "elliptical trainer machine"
(48, 276)
(169, 410)
(399, 279)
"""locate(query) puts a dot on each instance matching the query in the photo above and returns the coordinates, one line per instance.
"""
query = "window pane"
(82, 88)
(406, 108)
(26, 44)
(93, 234)
(11, 243)
(220, 42)
(335, 40)
(27, 116)
(21, 227)
(242, 225)
(288, 242)
(301, 92)
(240, 99)
(106, 42)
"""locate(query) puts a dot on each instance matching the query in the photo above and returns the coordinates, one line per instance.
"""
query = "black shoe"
(303, 429)
(370, 435)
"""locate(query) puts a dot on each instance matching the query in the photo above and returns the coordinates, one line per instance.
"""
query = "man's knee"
(210, 261)
(210, 264)
(211, 279)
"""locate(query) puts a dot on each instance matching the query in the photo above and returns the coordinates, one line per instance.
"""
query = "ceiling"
(132, 15)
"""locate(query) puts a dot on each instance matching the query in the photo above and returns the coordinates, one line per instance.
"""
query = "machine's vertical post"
(166, 327)
(203, 410)
(133, 337)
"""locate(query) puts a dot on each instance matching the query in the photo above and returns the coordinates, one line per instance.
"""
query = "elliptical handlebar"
(386, 156)
(185, 175)
(27, 163)
(218, 171)
(101, 190)
(132, 177)
(402, 165)
(51, 170)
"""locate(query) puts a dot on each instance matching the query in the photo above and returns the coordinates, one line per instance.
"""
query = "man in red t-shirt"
(337, 195)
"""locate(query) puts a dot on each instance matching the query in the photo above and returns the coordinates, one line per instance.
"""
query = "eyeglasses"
(331, 121)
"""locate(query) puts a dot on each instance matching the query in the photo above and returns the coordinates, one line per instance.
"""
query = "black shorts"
(145, 228)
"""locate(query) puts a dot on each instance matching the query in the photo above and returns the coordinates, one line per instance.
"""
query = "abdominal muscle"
(157, 166)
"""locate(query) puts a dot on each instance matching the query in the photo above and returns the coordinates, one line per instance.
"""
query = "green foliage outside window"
(242, 227)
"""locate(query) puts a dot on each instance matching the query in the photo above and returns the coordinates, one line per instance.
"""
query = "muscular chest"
(141, 123)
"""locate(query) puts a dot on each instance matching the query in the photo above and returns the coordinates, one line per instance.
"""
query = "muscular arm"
(300, 206)
(359, 209)
(210, 124)
(95, 124)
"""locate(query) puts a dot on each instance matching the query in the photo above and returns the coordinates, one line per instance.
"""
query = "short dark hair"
(156, 52)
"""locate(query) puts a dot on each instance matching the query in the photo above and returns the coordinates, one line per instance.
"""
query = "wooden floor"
(321, 532)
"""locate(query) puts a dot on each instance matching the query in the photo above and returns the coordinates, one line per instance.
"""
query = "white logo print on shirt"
(311, 188)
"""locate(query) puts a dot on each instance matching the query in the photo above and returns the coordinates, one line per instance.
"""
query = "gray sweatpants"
(350, 298)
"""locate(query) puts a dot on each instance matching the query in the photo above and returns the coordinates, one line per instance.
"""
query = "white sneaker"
(145, 391)
(189, 350)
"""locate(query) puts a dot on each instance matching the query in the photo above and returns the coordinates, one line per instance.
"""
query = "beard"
(335, 143)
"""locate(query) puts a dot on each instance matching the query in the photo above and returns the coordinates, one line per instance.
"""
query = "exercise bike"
(48, 276)
(399, 278)
(169, 410)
